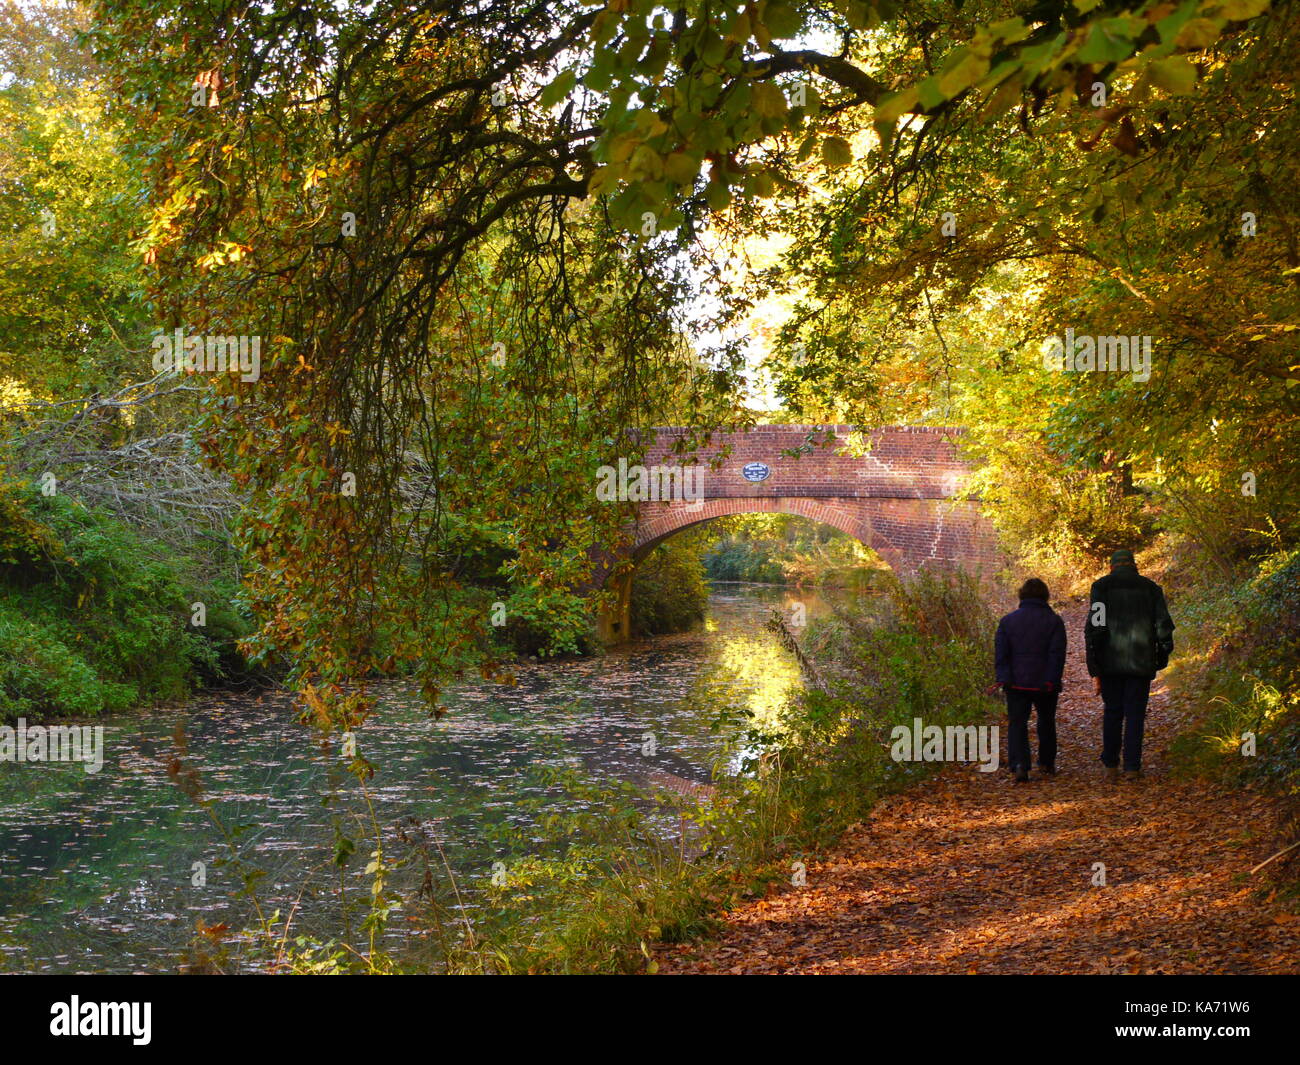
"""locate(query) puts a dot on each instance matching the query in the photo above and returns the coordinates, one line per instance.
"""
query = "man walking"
(1128, 636)
(1029, 653)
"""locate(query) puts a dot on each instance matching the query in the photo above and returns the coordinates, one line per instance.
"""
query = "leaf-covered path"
(970, 873)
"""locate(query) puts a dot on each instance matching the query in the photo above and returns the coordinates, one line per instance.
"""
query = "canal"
(110, 872)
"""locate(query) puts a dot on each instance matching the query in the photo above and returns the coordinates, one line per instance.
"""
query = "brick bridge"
(895, 498)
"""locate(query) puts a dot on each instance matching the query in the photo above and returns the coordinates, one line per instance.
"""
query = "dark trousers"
(1020, 705)
(1125, 717)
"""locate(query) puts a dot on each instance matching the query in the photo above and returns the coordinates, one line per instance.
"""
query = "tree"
(71, 310)
(389, 194)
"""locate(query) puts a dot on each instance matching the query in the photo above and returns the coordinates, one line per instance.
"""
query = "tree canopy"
(479, 243)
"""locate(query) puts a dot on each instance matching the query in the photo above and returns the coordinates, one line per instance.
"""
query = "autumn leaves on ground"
(970, 873)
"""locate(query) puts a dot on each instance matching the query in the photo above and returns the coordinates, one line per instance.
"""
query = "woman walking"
(1029, 653)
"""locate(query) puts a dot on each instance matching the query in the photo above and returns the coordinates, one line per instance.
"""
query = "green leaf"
(964, 69)
(1105, 44)
(929, 93)
(1169, 26)
(681, 168)
(768, 99)
(718, 196)
(836, 152)
(1199, 33)
(1005, 97)
(603, 180)
(1010, 30)
(712, 47)
(1175, 74)
(894, 107)
(857, 14)
(760, 184)
(622, 146)
(781, 20)
(559, 88)
(646, 162)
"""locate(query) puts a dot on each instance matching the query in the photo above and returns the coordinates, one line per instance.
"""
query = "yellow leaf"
(836, 152)
(1198, 33)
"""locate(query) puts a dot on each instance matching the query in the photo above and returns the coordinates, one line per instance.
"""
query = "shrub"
(1248, 679)
(668, 589)
(548, 622)
(90, 622)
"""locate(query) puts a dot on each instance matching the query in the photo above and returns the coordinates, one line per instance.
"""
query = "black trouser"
(1125, 715)
(1020, 704)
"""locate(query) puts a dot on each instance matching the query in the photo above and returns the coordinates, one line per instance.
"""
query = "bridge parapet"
(810, 461)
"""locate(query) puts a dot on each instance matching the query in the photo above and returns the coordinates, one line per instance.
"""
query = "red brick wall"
(895, 498)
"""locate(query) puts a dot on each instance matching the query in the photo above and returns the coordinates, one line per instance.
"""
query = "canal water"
(111, 872)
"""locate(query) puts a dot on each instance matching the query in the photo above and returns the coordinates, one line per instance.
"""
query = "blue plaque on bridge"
(755, 471)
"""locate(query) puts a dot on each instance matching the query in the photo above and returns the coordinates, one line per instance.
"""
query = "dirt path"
(969, 873)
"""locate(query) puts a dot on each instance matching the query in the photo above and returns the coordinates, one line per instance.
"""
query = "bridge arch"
(898, 495)
(650, 534)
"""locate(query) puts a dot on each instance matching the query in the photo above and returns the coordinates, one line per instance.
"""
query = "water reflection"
(109, 872)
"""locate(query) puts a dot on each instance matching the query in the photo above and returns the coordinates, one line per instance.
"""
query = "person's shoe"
(1132, 776)
(1047, 770)
(1112, 774)
(1022, 776)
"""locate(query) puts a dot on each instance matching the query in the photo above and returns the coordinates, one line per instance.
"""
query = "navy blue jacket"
(1030, 647)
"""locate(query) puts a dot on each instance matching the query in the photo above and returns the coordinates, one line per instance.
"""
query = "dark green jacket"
(1128, 631)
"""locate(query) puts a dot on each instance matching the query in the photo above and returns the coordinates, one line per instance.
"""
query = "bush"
(924, 650)
(40, 676)
(89, 622)
(548, 621)
(668, 589)
(1247, 677)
